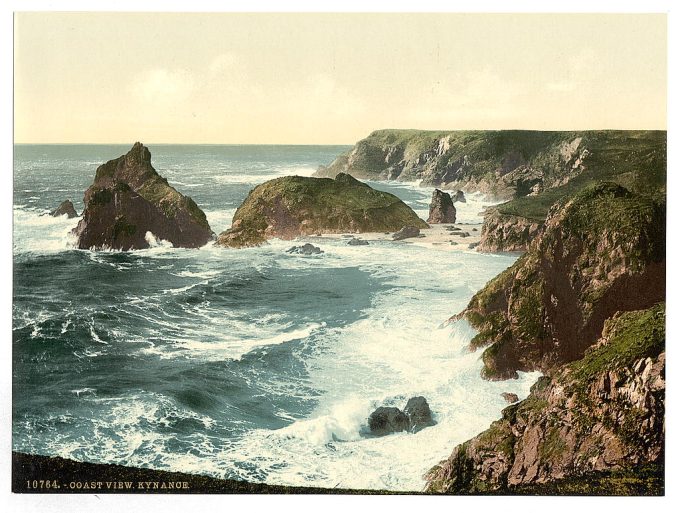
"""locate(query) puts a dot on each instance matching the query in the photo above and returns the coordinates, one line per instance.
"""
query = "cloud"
(164, 85)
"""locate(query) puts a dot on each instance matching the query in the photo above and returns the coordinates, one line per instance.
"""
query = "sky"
(233, 78)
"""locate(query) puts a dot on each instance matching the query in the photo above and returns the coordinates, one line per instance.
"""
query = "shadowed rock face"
(128, 199)
(66, 207)
(441, 208)
(294, 206)
(600, 252)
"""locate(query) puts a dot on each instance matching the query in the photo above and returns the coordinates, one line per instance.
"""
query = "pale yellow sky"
(330, 78)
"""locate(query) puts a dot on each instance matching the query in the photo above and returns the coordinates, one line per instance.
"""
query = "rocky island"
(129, 199)
(293, 206)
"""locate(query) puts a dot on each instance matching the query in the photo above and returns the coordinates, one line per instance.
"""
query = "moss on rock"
(292, 206)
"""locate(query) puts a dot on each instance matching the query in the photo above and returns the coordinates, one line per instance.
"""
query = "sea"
(252, 364)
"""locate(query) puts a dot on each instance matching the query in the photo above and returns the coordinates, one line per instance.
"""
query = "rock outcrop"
(386, 420)
(505, 164)
(406, 232)
(502, 232)
(441, 208)
(294, 206)
(510, 397)
(459, 196)
(419, 414)
(128, 199)
(357, 242)
(305, 249)
(601, 252)
(65, 208)
(389, 419)
(602, 413)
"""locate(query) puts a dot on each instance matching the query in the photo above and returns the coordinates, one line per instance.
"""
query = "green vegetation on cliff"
(600, 252)
(593, 426)
(292, 206)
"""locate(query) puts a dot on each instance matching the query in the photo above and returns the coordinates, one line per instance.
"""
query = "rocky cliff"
(530, 169)
(601, 252)
(502, 232)
(505, 163)
(293, 206)
(128, 199)
(603, 413)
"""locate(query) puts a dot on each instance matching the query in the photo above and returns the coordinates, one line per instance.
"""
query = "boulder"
(66, 207)
(510, 397)
(357, 242)
(128, 198)
(441, 208)
(386, 420)
(306, 249)
(459, 196)
(406, 232)
(419, 415)
(295, 206)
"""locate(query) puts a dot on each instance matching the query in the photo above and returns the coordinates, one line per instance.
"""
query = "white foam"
(38, 232)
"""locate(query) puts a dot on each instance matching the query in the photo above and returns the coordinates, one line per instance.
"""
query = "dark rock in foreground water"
(441, 208)
(66, 207)
(386, 420)
(406, 232)
(306, 249)
(418, 412)
(128, 199)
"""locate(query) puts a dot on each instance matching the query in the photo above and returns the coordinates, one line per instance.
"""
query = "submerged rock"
(128, 199)
(419, 415)
(295, 206)
(357, 242)
(386, 420)
(306, 249)
(406, 232)
(66, 207)
(441, 208)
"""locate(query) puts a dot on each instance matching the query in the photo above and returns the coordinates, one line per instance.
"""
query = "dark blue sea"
(253, 364)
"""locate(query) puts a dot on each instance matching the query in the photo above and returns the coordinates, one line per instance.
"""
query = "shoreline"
(75, 477)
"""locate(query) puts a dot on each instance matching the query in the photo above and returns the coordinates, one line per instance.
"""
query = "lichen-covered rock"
(502, 232)
(441, 208)
(65, 208)
(600, 252)
(294, 206)
(406, 232)
(386, 420)
(601, 413)
(128, 199)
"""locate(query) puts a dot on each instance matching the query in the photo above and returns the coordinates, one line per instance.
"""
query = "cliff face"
(502, 232)
(602, 413)
(293, 206)
(601, 252)
(128, 199)
(504, 164)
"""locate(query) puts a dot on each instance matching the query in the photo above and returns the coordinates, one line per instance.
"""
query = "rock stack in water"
(66, 207)
(441, 208)
(128, 199)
